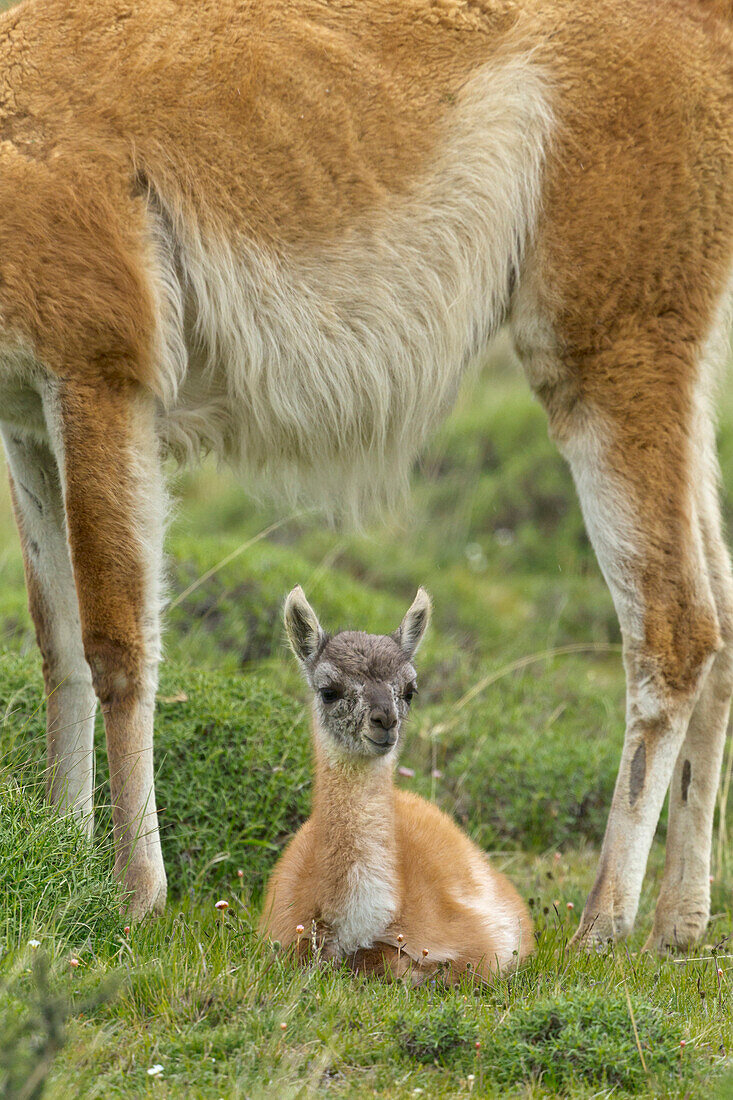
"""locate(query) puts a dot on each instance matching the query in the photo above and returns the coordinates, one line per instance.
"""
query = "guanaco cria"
(378, 876)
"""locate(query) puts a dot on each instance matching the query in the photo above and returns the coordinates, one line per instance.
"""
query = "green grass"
(516, 732)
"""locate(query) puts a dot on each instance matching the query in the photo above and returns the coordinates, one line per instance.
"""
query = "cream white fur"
(370, 904)
(370, 899)
(40, 503)
(22, 383)
(504, 926)
(321, 371)
(609, 519)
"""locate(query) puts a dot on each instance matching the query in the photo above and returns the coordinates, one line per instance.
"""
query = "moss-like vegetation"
(53, 881)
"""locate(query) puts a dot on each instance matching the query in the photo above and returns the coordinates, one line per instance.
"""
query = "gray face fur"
(362, 683)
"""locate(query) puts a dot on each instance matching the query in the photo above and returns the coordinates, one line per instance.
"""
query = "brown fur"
(629, 331)
(262, 125)
(99, 428)
(108, 571)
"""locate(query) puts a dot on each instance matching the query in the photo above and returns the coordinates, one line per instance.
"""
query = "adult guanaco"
(279, 230)
(377, 876)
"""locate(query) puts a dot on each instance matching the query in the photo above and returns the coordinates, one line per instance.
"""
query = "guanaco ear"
(412, 628)
(302, 626)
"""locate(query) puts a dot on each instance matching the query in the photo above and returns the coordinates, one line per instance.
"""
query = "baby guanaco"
(377, 876)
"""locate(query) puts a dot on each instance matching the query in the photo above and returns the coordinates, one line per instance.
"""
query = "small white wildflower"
(408, 773)
(74, 962)
(34, 944)
(222, 905)
(156, 1070)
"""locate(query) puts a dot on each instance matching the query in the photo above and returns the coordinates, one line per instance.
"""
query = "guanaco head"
(362, 684)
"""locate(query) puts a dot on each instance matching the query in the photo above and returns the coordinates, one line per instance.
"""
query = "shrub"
(233, 761)
(442, 1033)
(53, 880)
(582, 1037)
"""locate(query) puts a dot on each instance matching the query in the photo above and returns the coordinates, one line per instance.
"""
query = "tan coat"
(371, 848)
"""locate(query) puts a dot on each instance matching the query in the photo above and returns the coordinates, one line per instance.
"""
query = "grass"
(517, 733)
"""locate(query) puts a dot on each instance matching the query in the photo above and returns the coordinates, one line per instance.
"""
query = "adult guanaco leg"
(115, 506)
(623, 417)
(70, 700)
(683, 907)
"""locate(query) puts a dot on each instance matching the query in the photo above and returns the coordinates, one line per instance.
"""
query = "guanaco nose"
(382, 714)
(384, 719)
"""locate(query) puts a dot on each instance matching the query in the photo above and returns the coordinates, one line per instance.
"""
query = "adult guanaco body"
(279, 230)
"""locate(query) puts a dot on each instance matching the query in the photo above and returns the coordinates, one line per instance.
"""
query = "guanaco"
(279, 231)
(377, 876)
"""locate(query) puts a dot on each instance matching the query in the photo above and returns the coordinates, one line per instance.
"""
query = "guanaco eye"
(330, 695)
(409, 693)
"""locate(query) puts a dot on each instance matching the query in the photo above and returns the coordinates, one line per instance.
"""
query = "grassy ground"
(517, 732)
